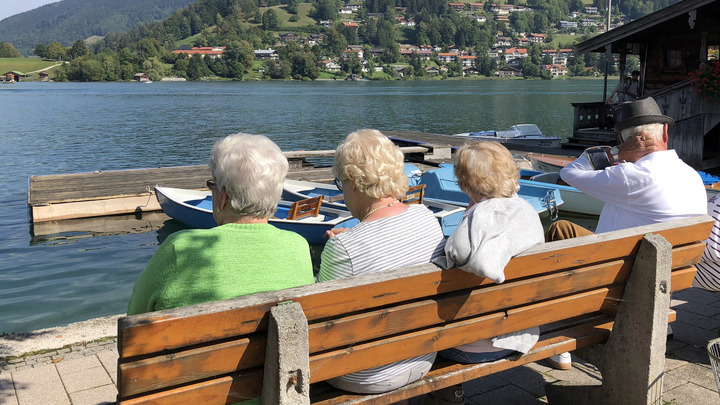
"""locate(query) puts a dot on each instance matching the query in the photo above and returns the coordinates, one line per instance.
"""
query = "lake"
(56, 128)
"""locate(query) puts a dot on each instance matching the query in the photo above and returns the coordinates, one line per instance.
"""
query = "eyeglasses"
(338, 183)
(211, 184)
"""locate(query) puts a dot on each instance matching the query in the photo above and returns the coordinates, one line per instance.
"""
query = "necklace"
(376, 210)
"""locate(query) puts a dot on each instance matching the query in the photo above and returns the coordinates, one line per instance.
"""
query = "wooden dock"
(104, 193)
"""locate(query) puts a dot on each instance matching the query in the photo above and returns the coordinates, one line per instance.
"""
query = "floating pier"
(104, 193)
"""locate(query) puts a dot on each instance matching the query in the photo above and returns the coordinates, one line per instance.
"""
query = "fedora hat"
(641, 112)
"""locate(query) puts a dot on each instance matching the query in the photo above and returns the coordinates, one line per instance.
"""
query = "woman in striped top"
(369, 171)
(708, 270)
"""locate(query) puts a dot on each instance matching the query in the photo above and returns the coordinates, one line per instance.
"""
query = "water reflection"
(70, 230)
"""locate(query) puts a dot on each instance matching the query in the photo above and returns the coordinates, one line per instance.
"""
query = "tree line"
(241, 27)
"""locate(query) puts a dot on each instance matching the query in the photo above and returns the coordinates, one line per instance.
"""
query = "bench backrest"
(214, 352)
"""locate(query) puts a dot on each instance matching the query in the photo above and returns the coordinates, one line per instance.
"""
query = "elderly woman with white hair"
(240, 256)
(369, 170)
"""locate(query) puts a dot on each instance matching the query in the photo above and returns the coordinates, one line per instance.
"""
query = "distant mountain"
(70, 20)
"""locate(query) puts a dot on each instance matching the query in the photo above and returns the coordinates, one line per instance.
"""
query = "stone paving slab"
(40, 385)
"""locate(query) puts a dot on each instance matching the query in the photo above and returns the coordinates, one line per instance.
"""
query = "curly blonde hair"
(485, 169)
(375, 164)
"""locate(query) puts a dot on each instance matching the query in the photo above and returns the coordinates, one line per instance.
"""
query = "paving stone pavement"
(86, 373)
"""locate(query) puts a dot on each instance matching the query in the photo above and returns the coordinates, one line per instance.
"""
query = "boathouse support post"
(632, 362)
(286, 379)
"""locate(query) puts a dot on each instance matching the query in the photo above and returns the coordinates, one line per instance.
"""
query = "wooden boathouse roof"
(706, 19)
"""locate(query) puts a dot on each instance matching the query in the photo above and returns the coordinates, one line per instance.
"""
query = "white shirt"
(658, 187)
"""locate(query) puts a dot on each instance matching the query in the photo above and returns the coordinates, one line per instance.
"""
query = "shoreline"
(13, 345)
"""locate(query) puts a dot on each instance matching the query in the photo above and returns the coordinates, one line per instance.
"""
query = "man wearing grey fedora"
(640, 181)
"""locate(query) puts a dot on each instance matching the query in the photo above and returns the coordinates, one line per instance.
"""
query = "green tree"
(351, 64)
(270, 20)
(278, 69)
(529, 69)
(55, 51)
(154, 68)
(197, 69)
(325, 10)
(41, 51)
(292, 6)
(303, 65)
(111, 65)
(77, 50)
(240, 51)
(180, 67)
(7, 50)
(335, 42)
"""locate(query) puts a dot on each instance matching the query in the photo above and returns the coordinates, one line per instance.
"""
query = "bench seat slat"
(165, 329)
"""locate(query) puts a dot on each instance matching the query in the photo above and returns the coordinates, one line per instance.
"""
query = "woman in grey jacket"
(497, 225)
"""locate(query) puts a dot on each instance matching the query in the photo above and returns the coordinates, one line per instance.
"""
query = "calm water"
(55, 128)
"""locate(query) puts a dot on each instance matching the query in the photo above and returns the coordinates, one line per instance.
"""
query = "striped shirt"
(409, 238)
(708, 270)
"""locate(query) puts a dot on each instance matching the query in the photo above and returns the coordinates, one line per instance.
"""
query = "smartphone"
(599, 159)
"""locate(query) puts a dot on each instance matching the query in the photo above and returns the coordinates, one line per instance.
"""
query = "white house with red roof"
(210, 51)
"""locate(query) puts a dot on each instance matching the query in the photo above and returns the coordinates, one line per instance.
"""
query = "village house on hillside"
(672, 44)
(211, 51)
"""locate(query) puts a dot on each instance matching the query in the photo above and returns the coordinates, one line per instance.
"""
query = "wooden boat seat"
(414, 195)
(305, 208)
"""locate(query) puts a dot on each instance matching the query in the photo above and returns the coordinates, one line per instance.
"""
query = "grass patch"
(189, 41)
(284, 16)
(25, 65)
(565, 39)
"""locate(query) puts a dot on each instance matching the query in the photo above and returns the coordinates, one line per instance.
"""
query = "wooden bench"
(276, 344)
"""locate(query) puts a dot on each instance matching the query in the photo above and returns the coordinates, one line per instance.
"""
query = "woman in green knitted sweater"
(244, 254)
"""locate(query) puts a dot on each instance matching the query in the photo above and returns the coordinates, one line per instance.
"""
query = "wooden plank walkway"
(103, 193)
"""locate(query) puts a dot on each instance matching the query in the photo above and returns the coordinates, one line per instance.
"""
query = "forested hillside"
(376, 39)
(70, 20)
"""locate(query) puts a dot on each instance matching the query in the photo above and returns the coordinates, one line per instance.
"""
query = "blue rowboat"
(449, 216)
(574, 200)
(194, 209)
(441, 185)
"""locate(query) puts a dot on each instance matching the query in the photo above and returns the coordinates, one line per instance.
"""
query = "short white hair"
(655, 130)
(252, 168)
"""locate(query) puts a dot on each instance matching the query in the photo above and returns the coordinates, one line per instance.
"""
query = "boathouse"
(14, 76)
(141, 77)
(672, 44)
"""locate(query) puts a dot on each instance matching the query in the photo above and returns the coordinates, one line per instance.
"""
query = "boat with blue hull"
(574, 200)
(442, 186)
(521, 134)
(194, 209)
(449, 216)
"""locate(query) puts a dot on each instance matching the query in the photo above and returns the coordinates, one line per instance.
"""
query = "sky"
(9, 7)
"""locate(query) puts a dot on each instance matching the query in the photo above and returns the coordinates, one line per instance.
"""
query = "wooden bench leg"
(632, 362)
(286, 379)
